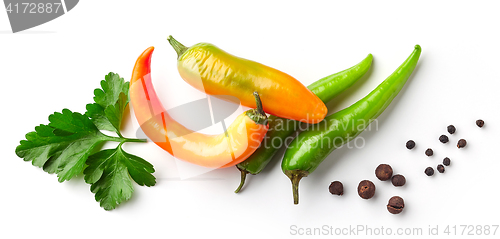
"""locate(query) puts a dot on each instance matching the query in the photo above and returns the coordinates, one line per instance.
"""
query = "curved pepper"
(216, 72)
(313, 145)
(239, 141)
(281, 129)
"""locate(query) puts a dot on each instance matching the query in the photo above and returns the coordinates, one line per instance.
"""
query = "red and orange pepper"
(239, 141)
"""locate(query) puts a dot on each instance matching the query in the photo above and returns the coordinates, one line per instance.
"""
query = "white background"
(57, 65)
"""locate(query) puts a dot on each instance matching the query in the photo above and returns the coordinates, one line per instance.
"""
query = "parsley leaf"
(66, 144)
(63, 145)
(110, 103)
(108, 173)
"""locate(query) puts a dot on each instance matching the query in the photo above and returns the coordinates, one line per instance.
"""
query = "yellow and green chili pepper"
(216, 72)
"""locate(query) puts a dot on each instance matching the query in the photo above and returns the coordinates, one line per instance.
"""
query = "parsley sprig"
(66, 146)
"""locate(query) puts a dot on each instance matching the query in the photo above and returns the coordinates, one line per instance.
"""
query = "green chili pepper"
(280, 129)
(313, 145)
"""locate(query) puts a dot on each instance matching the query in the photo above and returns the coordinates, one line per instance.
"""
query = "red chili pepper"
(239, 141)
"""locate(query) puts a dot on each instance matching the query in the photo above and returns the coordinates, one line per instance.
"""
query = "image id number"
(471, 230)
(34, 8)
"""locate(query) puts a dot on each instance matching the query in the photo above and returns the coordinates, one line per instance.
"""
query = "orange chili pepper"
(239, 141)
(216, 72)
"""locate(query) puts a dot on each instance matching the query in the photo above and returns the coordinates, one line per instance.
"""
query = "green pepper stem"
(178, 47)
(257, 115)
(243, 177)
(259, 103)
(295, 176)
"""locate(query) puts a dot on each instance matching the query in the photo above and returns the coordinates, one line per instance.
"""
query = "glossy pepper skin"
(239, 141)
(313, 145)
(281, 129)
(216, 72)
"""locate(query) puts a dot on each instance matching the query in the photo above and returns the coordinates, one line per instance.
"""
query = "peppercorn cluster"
(366, 188)
(429, 171)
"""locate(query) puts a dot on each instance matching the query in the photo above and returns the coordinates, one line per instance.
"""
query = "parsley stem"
(135, 140)
(125, 140)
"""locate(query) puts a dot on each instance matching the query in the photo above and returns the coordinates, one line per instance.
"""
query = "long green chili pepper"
(313, 145)
(280, 129)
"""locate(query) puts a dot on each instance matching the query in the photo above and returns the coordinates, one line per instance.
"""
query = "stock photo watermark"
(210, 111)
(349, 140)
(365, 230)
(161, 126)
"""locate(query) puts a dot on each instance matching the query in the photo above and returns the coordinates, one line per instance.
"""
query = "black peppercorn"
(429, 152)
(395, 205)
(383, 172)
(440, 168)
(479, 123)
(398, 180)
(446, 161)
(366, 189)
(443, 139)
(451, 129)
(461, 143)
(410, 144)
(429, 171)
(336, 188)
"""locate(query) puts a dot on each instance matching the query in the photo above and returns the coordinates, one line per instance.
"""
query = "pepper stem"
(178, 47)
(243, 177)
(259, 103)
(257, 115)
(295, 176)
